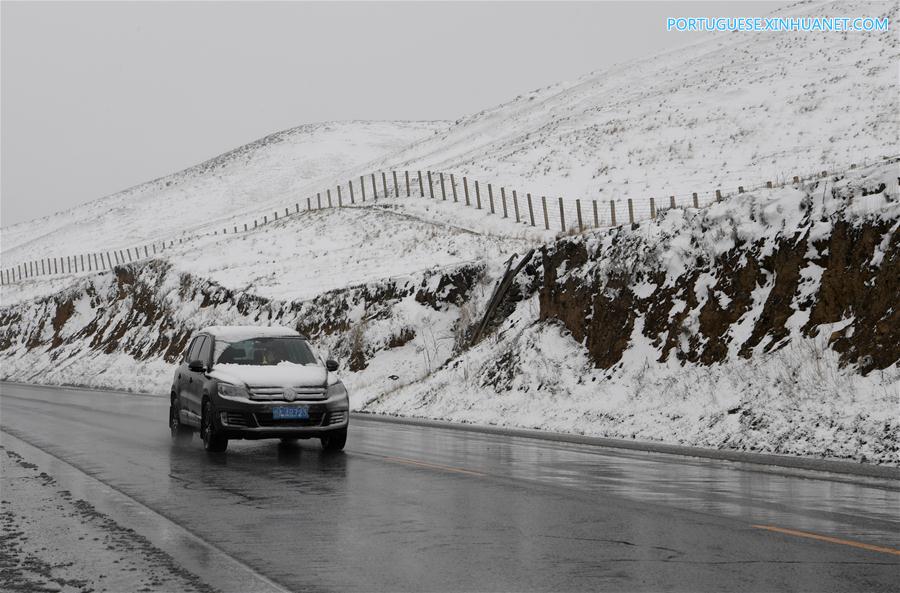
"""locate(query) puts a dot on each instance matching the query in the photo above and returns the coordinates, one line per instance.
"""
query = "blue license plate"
(295, 413)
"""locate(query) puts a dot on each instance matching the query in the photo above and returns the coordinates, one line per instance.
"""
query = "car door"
(192, 381)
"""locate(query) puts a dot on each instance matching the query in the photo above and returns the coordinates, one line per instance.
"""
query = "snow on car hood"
(283, 374)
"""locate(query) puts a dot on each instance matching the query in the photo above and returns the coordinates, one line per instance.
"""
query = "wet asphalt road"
(408, 508)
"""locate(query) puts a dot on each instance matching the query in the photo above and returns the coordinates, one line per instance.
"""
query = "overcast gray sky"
(97, 97)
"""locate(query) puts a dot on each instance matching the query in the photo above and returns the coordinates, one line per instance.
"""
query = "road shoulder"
(56, 540)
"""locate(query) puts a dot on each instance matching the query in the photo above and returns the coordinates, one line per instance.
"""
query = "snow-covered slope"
(277, 169)
(767, 322)
(733, 109)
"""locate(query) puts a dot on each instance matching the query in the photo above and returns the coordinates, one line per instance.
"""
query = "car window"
(267, 351)
(205, 350)
(194, 352)
(187, 351)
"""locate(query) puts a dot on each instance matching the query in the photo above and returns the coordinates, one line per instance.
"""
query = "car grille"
(336, 417)
(316, 416)
(276, 393)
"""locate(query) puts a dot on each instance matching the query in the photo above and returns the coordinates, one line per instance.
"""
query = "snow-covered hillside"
(274, 170)
(733, 109)
(767, 322)
(764, 322)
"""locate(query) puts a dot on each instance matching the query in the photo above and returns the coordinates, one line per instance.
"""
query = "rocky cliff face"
(124, 329)
(740, 279)
(767, 322)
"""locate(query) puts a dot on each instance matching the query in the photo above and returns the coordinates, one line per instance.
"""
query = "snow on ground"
(275, 170)
(790, 394)
(733, 109)
(797, 400)
(306, 254)
(300, 257)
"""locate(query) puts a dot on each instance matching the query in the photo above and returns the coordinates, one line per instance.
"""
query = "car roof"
(235, 333)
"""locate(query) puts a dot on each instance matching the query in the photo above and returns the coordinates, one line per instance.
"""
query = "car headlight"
(337, 390)
(230, 390)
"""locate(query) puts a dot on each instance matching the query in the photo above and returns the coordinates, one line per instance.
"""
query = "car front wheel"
(335, 440)
(212, 440)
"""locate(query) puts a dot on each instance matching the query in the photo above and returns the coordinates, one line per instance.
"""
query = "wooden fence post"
(362, 187)
(407, 184)
(578, 210)
(612, 212)
(421, 187)
(384, 184)
(516, 205)
(430, 186)
(671, 201)
(769, 183)
(453, 186)
(296, 211)
(740, 189)
(477, 196)
(503, 201)
(374, 188)
(443, 192)
(318, 201)
(718, 195)
(491, 197)
(276, 215)
(530, 210)
(546, 220)
(340, 198)
(114, 253)
(630, 211)
(696, 202)
(596, 214)
(562, 215)
(328, 195)
(466, 190)
(652, 208)
(396, 185)
(350, 187)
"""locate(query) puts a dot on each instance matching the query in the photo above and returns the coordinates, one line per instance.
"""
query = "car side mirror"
(196, 366)
(331, 365)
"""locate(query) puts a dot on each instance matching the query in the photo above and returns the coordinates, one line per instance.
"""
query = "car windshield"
(267, 351)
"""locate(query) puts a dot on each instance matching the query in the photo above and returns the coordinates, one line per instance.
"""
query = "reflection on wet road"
(410, 508)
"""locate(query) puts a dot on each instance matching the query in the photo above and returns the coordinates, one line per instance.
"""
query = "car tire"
(335, 440)
(181, 434)
(212, 440)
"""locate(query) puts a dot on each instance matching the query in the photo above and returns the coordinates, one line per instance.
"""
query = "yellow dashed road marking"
(832, 540)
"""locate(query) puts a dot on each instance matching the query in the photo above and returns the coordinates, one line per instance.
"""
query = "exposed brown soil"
(594, 296)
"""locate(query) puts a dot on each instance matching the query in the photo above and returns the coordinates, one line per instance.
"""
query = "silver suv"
(237, 382)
